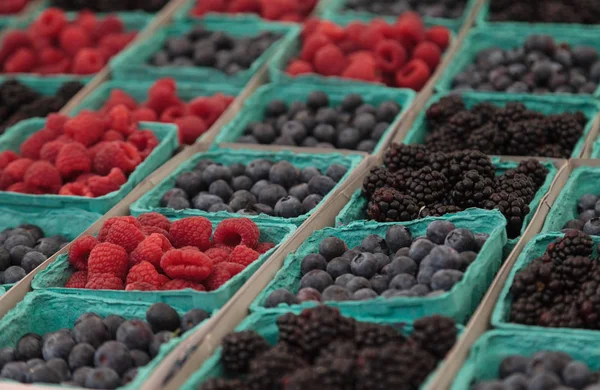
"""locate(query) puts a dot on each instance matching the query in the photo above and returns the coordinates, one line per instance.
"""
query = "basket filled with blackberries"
(501, 125)
(557, 12)
(319, 116)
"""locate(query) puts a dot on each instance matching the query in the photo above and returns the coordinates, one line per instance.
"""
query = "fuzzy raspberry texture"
(156, 220)
(243, 255)
(125, 235)
(52, 44)
(151, 250)
(77, 280)
(104, 282)
(180, 284)
(187, 265)
(107, 258)
(280, 10)
(377, 51)
(80, 250)
(145, 272)
(194, 231)
(140, 286)
(234, 232)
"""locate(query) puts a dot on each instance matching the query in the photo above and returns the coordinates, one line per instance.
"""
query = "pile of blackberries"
(451, 9)
(23, 249)
(588, 220)
(110, 5)
(97, 353)
(322, 349)
(543, 370)
(540, 66)
(394, 266)
(416, 183)
(19, 102)
(214, 49)
(353, 124)
(261, 187)
(545, 11)
(510, 130)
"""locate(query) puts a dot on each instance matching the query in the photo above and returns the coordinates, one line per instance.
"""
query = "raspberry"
(50, 150)
(76, 189)
(114, 43)
(7, 157)
(190, 128)
(264, 247)
(125, 234)
(390, 55)
(233, 268)
(12, 41)
(148, 230)
(312, 44)
(217, 255)
(237, 231)
(44, 176)
(22, 61)
(429, 53)
(85, 177)
(56, 123)
(116, 154)
(120, 119)
(145, 141)
(243, 255)
(145, 272)
(275, 9)
(330, 61)
(16, 169)
(218, 278)
(93, 151)
(190, 248)
(50, 23)
(140, 286)
(104, 282)
(59, 67)
(87, 20)
(193, 231)
(370, 37)
(187, 265)
(206, 6)
(207, 109)
(77, 280)
(79, 252)
(161, 96)
(180, 284)
(88, 61)
(111, 221)
(388, 30)
(244, 6)
(100, 185)
(150, 250)
(86, 128)
(111, 25)
(155, 219)
(360, 70)
(113, 135)
(413, 75)
(332, 30)
(50, 56)
(410, 26)
(72, 160)
(108, 258)
(438, 35)
(299, 67)
(32, 146)
(173, 113)
(74, 38)
(118, 97)
(144, 114)
(24, 188)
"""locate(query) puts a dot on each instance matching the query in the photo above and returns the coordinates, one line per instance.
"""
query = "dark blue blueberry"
(129, 376)
(366, 146)
(332, 247)
(374, 244)
(35, 231)
(294, 130)
(215, 208)
(309, 142)
(242, 183)
(587, 215)
(577, 375)
(171, 194)
(382, 260)
(299, 191)
(587, 202)
(518, 87)
(7, 355)
(387, 111)
(544, 381)
(420, 290)
(85, 317)
(548, 361)
(425, 275)
(80, 375)
(338, 266)
(351, 102)
(102, 378)
(237, 169)
(264, 209)
(275, 108)
(17, 253)
(24, 238)
(357, 283)
(393, 293)
(288, 207)
(462, 240)
(159, 339)
(317, 279)
(364, 265)
(57, 345)
(307, 119)
(179, 46)
(192, 318)
(517, 70)
(380, 283)
(61, 367)
(379, 130)
(271, 194)
(317, 99)
(296, 107)
(542, 72)
(309, 294)
(190, 182)
(344, 279)
(259, 186)
(595, 72)
(16, 371)
(91, 330)
(29, 347)
(139, 358)
(592, 227)
(204, 55)
(438, 230)
(366, 108)
(5, 260)
(177, 203)
(215, 172)
(284, 140)
(364, 123)
(308, 173)
(35, 362)
(336, 293)
(32, 260)
(135, 334)
(201, 165)
(444, 257)
(541, 43)
(205, 201)
(403, 282)
(160, 59)
(284, 174)
(81, 355)
(466, 259)
(324, 145)
(310, 202)
(445, 279)
(321, 185)
(161, 316)
(514, 364)
(348, 138)
(247, 139)
(575, 224)
(325, 133)
(584, 56)
(481, 238)
(398, 237)
(221, 189)
(42, 374)
(312, 261)
(364, 294)
(280, 296)
(401, 265)
(327, 115)
(336, 172)
(114, 355)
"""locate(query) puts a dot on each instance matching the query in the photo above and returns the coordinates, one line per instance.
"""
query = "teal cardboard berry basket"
(133, 64)
(546, 104)
(459, 303)
(16, 135)
(253, 108)
(54, 277)
(596, 149)
(151, 200)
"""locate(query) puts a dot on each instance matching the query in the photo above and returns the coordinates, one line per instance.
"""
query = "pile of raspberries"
(12, 6)
(404, 54)
(149, 253)
(193, 118)
(280, 10)
(54, 45)
(87, 155)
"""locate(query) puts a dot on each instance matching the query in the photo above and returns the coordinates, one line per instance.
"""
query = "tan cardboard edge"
(588, 146)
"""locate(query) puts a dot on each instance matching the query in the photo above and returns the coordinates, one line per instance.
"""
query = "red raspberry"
(111, 221)
(83, 178)
(79, 252)
(144, 114)
(187, 265)
(86, 128)
(244, 6)
(190, 248)
(7, 157)
(110, 25)
(413, 75)
(233, 268)
(12, 41)
(193, 231)
(330, 61)
(217, 255)
(410, 27)
(299, 67)
(12, 7)
(190, 128)
(172, 113)
(276, 9)
(114, 43)
(50, 22)
(113, 135)
(333, 31)
(180, 284)
(93, 151)
(108, 258)
(162, 95)
(205, 6)
(125, 234)
(309, 27)
(44, 176)
(32, 146)
(50, 56)
(347, 46)
(87, 20)
(390, 55)
(16, 169)
(148, 230)
(438, 35)
(140, 286)
(429, 53)
(59, 67)
(116, 154)
(118, 97)
(209, 110)
(74, 38)
(151, 250)
(264, 247)
(72, 160)
(355, 30)
(51, 149)
(312, 45)
(388, 30)
(104, 282)
(121, 119)
(155, 219)
(145, 141)
(76, 189)
(370, 37)
(243, 255)
(24, 188)
(225, 100)
(168, 83)
(145, 272)
(364, 71)
(77, 280)
(237, 231)
(219, 277)
(102, 185)
(22, 61)
(56, 123)
(88, 61)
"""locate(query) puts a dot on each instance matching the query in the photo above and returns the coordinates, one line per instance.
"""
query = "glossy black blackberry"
(110, 5)
(532, 288)
(534, 169)
(436, 334)
(438, 161)
(399, 156)
(379, 177)
(488, 139)
(339, 374)
(511, 113)
(526, 137)
(485, 110)
(472, 190)
(572, 272)
(321, 326)
(573, 243)
(588, 303)
(513, 208)
(390, 205)
(240, 348)
(466, 121)
(338, 349)
(553, 151)
(445, 138)
(223, 384)
(469, 160)
(290, 330)
(517, 184)
(268, 370)
(427, 186)
(443, 110)
(368, 335)
(13, 95)
(565, 130)
(438, 210)
(562, 314)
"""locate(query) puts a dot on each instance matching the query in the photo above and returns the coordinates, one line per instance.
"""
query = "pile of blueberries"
(97, 353)
(540, 66)
(261, 187)
(588, 220)
(450, 9)
(23, 249)
(354, 124)
(213, 49)
(394, 266)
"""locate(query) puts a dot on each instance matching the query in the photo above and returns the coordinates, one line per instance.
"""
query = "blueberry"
(161, 317)
(577, 375)
(393, 293)
(29, 347)
(47, 246)
(221, 189)
(481, 238)
(276, 108)
(336, 172)
(365, 108)
(41, 373)
(299, 191)
(309, 294)
(364, 265)
(190, 182)
(192, 318)
(425, 275)
(338, 267)
(204, 55)
(307, 119)
(592, 227)
(316, 279)
(284, 174)
(445, 279)
(81, 355)
(61, 367)
(364, 294)
(438, 230)
(344, 279)
(16, 371)
(280, 296)
(242, 183)
(247, 139)
(179, 46)
(172, 194)
(296, 107)
(444, 257)
(310, 202)
(327, 115)
(541, 43)
(271, 194)
(14, 274)
(114, 355)
(595, 72)
(462, 240)
(366, 146)
(258, 187)
(215, 208)
(160, 59)
(159, 339)
(336, 293)
(357, 283)
(35, 231)
(264, 133)
(584, 56)
(285, 140)
(80, 374)
(102, 378)
(17, 253)
(587, 202)
(7, 355)
(398, 237)
(518, 87)
(401, 265)
(382, 260)
(139, 358)
(242, 199)
(309, 142)
(548, 361)
(32, 260)
(403, 282)
(35, 362)
(332, 247)
(288, 207)
(215, 172)
(575, 224)
(129, 376)
(364, 123)
(24, 238)
(57, 345)
(387, 111)
(92, 330)
(587, 215)
(348, 138)
(317, 99)
(312, 261)
(420, 290)
(324, 145)
(543, 381)
(135, 334)
(264, 209)
(351, 102)
(321, 185)
(325, 133)
(206, 201)
(466, 259)
(85, 317)
(379, 130)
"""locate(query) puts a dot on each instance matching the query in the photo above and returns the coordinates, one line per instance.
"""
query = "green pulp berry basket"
(355, 209)
(596, 149)
(133, 63)
(545, 104)
(459, 303)
(56, 275)
(42, 312)
(45, 86)
(151, 200)
(254, 107)
(16, 135)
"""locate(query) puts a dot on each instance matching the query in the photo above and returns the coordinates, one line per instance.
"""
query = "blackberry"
(290, 330)
(223, 384)
(13, 95)
(469, 160)
(515, 210)
(517, 184)
(466, 121)
(488, 139)
(68, 90)
(321, 326)
(438, 210)
(472, 190)
(485, 110)
(588, 302)
(240, 348)
(553, 151)
(268, 369)
(565, 130)
(389, 205)
(534, 169)
(526, 310)
(511, 113)
(399, 156)
(338, 375)
(573, 272)
(379, 177)
(338, 349)
(436, 334)
(573, 243)
(563, 314)
(446, 138)
(427, 186)
(369, 335)
(444, 109)
(526, 137)
(438, 161)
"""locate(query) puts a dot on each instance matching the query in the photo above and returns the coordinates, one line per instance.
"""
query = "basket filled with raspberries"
(56, 44)
(110, 6)
(319, 116)
(11, 8)
(217, 50)
(85, 161)
(320, 346)
(282, 186)
(435, 265)
(88, 342)
(293, 11)
(149, 258)
(525, 60)
(194, 108)
(498, 124)
(403, 54)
